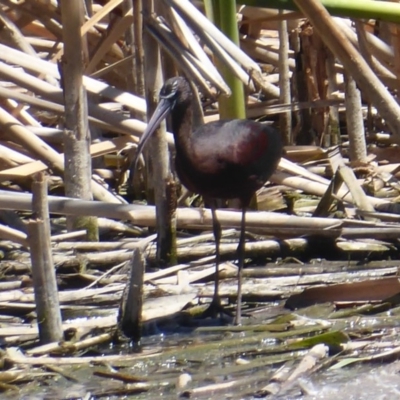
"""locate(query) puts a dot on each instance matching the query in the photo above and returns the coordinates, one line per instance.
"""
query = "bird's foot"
(238, 319)
(216, 309)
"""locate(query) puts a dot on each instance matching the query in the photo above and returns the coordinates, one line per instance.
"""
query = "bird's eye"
(172, 93)
(171, 90)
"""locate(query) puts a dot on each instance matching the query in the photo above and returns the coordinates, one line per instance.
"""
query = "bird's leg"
(215, 308)
(241, 254)
(216, 302)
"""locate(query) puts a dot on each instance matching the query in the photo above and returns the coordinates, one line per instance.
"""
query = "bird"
(225, 159)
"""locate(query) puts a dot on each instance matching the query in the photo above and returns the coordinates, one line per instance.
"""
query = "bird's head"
(175, 93)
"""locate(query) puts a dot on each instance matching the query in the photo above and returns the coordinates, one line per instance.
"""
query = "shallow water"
(365, 382)
(211, 357)
(355, 382)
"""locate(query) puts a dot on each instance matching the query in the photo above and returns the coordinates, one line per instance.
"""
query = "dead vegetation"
(322, 237)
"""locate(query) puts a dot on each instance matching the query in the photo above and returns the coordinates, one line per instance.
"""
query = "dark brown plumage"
(222, 159)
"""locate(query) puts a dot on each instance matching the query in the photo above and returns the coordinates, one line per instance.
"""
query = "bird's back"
(229, 159)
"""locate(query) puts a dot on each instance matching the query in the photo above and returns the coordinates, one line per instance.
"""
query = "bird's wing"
(233, 142)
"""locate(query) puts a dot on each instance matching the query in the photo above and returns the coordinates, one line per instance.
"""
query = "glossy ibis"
(222, 159)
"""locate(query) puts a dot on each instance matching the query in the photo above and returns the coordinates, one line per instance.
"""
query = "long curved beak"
(163, 108)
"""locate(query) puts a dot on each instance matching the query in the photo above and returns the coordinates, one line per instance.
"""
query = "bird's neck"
(182, 125)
